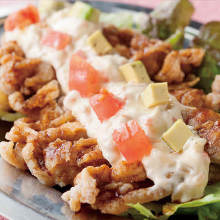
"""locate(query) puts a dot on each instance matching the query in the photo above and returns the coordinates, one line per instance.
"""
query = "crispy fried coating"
(162, 63)
(190, 97)
(11, 152)
(43, 96)
(107, 195)
(11, 47)
(178, 64)
(30, 83)
(207, 123)
(197, 98)
(153, 57)
(171, 71)
(55, 150)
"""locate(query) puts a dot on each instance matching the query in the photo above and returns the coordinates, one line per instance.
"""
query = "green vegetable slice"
(176, 39)
(209, 38)
(168, 17)
(119, 19)
(207, 72)
(207, 207)
(10, 117)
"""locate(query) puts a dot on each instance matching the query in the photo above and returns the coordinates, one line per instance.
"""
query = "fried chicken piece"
(85, 189)
(43, 96)
(171, 71)
(190, 97)
(128, 172)
(12, 48)
(207, 123)
(15, 71)
(178, 64)
(191, 57)
(30, 83)
(153, 57)
(11, 153)
(44, 73)
(54, 147)
(105, 194)
(197, 98)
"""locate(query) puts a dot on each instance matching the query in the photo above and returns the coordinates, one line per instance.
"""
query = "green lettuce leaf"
(207, 72)
(176, 39)
(119, 19)
(168, 17)
(125, 19)
(207, 208)
(209, 38)
(10, 117)
(149, 211)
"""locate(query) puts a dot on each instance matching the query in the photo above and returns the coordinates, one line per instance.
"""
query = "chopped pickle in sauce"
(132, 141)
(99, 43)
(135, 72)
(83, 77)
(105, 105)
(177, 135)
(56, 39)
(155, 94)
(85, 11)
(22, 18)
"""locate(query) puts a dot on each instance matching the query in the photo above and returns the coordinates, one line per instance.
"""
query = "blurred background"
(206, 10)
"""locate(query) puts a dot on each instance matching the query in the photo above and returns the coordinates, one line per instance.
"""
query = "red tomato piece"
(56, 40)
(105, 105)
(83, 77)
(132, 141)
(22, 18)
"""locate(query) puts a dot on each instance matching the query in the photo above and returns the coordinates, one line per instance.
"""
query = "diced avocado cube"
(46, 7)
(135, 72)
(155, 94)
(177, 135)
(99, 43)
(85, 11)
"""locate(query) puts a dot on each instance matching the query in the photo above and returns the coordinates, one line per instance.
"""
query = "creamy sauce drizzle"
(185, 173)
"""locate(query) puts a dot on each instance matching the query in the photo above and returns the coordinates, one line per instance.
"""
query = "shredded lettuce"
(176, 39)
(208, 38)
(207, 72)
(149, 211)
(119, 19)
(206, 208)
(125, 19)
(168, 17)
(10, 117)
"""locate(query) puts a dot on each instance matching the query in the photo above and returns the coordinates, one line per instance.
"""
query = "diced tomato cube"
(105, 105)
(22, 18)
(56, 39)
(83, 77)
(132, 141)
(81, 54)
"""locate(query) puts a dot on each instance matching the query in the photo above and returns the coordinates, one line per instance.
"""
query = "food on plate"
(113, 112)
(135, 72)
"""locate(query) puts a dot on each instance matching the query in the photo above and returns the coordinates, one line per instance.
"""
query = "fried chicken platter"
(112, 108)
